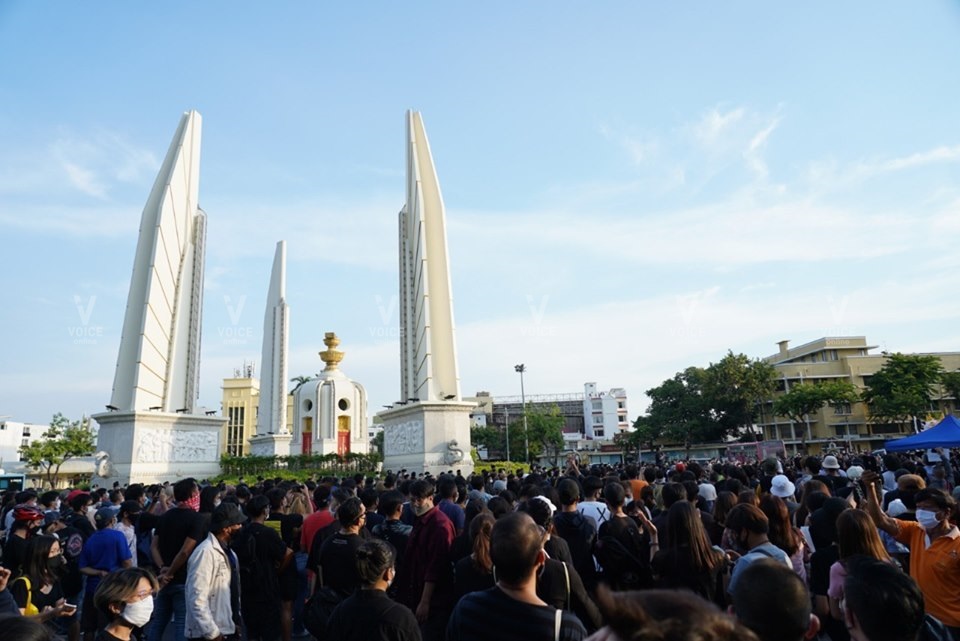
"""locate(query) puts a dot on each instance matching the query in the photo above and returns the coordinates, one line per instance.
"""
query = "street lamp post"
(520, 369)
(506, 421)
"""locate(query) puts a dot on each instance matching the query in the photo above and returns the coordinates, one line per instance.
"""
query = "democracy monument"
(153, 429)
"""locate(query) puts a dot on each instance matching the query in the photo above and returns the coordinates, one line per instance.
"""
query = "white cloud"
(754, 152)
(714, 124)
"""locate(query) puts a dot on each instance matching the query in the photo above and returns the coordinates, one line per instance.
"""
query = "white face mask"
(927, 519)
(138, 613)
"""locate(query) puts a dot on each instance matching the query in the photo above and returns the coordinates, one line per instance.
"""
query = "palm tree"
(299, 380)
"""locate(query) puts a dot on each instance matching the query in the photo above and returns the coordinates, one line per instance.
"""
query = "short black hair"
(887, 603)
(183, 489)
(941, 499)
(773, 601)
(257, 506)
(349, 511)
(673, 492)
(515, 543)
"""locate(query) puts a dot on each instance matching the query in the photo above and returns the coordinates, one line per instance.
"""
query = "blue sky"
(631, 188)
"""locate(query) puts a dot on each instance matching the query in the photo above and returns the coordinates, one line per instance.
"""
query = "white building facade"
(14, 435)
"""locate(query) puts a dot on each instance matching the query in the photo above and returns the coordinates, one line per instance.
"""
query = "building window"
(598, 419)
(25, 442)
(598, 433)
(841, 408)
(597, 405)
(885, 428)
(235, 431)
(620, 405)
(26, 430)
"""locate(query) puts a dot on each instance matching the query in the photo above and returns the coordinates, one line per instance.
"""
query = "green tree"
(545, 432)
(903, 388)
(645, 432)
(950, 381)
(490, 437)
(377, 442)
(679, 409)
(735, 389)
(63, 441)
(806, 398)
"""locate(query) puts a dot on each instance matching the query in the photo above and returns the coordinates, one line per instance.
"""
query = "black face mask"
(56, 563)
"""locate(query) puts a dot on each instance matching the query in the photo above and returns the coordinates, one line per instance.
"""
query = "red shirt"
(427, 558)
(311, 525)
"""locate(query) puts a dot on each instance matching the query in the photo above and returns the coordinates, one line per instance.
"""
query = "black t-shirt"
(18, 589)
(13, 552)
(370, 615)
(287, 526)
(338, 562)
(491, 614)
(259, 551)
(175, 527)
(467, 578)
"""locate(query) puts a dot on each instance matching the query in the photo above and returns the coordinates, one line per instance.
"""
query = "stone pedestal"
(270, 445)
(153, 447)
(431, 436)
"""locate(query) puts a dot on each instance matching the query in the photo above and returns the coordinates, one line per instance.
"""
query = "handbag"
(30, 609)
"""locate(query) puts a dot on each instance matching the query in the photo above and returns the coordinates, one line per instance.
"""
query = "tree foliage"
(544, 430)
(706, 404)
(63, 441)
(806, 398)
(736, 388)
(903, 388)
(950, 381)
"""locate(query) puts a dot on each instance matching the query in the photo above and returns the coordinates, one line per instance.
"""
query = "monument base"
(270, 445)
(429, 436)
(153, 447)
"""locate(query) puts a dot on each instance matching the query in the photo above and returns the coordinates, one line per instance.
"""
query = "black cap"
(225, 515)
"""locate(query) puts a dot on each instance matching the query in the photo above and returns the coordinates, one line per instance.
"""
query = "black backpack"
(622, 569)
(319, 609)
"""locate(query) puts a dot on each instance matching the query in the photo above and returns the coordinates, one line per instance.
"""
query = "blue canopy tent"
(946, 433)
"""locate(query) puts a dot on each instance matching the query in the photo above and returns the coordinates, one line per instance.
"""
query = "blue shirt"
(454, 512)
(764, 551)
(105, 550)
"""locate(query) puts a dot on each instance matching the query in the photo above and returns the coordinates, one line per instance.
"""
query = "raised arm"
(881, 520)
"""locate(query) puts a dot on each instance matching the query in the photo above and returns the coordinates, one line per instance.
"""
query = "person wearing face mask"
(37, 592)
(425, 578)
(125, 599)
(934, 544)
(27, 521)
(369, 614)
(213, 580)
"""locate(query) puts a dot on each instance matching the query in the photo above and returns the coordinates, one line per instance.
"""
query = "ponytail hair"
(374, 557)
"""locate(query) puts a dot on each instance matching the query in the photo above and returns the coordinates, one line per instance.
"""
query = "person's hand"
(423, 611)
(4, 578)
(733, 555)
(647, 523)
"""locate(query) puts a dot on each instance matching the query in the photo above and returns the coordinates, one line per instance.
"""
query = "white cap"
(708, 492)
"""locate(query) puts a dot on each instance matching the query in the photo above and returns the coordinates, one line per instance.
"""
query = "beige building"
(849, 425)
(241, 400)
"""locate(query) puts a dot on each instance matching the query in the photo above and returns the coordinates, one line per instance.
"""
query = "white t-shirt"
(596, 509)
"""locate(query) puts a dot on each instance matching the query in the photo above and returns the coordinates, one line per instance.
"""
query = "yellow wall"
(241, 398)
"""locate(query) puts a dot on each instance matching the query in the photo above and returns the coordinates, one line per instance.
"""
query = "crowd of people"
(847, 546)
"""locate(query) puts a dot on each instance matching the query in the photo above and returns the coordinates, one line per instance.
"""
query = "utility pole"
(520, 369)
